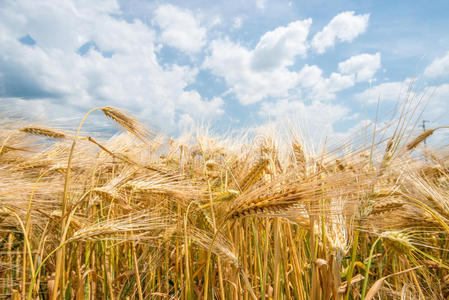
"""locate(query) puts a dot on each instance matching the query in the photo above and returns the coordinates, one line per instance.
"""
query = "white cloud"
(192, 102)
(389, 91)
(439, 67)
(130, 77)
(263, 72)
(39, 20)
(326, 89)
(364, 66)
(343, 27)
(309, 76)
(317, 87)
(180, 28)
(279, 47)
(233, 62)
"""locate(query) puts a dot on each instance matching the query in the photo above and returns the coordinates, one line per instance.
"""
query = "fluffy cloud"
(253, 75)
(343, 27)
(439, 67)
(120, 68)
(180, 28)
(389, 91)
(279, 47)
(192, 102)
(317, 87)
(310, 76)
(364, 66)
(233, 62)
(326, 88)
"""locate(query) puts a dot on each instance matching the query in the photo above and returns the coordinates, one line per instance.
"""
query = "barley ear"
(43, 131)
(127, 123)
(254, 174)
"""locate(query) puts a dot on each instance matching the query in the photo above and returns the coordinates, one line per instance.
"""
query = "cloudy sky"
(233, 64)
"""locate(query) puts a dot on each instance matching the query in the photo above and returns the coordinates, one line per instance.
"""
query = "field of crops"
(264, 216)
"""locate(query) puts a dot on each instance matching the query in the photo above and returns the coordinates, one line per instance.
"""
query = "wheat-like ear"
(298, 150)
(263, 203)
(398, 240)
(254, 174)
(420, 138)
(416, 141)
(260, 209)
(43, 131)
(128, 123)
(386, 206)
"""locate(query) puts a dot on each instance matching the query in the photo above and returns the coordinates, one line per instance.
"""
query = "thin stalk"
(259, 262)
(351, 267)
(368, 266)
(136, 270)
(188, 290)
(266, 250)
(277, 259)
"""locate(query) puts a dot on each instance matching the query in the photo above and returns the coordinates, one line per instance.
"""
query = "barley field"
(249, 216)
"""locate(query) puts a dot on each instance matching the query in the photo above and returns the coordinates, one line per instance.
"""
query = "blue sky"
(232, 64)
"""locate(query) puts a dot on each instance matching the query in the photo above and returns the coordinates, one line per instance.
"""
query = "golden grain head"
(128, 123)
(44, 131)
(420, 138)
(398, 241)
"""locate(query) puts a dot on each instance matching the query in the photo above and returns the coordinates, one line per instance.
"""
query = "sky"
(231, 64)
